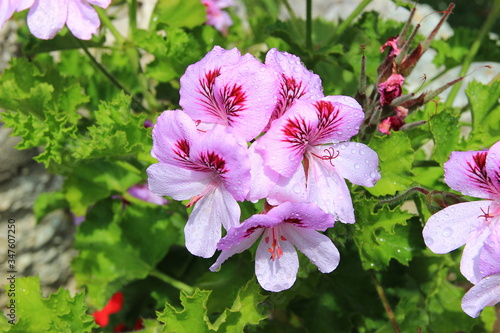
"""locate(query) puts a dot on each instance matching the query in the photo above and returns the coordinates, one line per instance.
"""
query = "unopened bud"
(437, 200)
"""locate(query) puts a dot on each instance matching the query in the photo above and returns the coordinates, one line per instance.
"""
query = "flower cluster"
(47, 17)
(475, 224)
(250, 131)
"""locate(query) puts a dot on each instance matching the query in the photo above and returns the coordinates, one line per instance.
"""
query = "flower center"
(274, 247)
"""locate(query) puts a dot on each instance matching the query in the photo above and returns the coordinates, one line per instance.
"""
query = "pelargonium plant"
(257, 169)
(302, 157)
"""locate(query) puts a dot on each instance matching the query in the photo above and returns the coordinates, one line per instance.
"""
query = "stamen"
(486, 215)
(331, 154)
(275, 249)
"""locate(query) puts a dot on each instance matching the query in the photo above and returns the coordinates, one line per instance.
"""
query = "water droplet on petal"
(447, 232)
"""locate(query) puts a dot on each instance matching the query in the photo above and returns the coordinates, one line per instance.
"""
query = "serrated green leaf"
(48, 202)
(382, 235)
(178, 13)
(245, 310)
(192, 318)
(92, 181)
(58, 313)
(396, 157)
(445, 131)
(42, 108)
(116, 132)
(118, 245)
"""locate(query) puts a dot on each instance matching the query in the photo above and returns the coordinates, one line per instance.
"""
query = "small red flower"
(114, 305)
(390, 89)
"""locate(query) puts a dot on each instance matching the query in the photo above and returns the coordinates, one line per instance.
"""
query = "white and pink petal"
(493, 169)
(204, 226)
(82, 20)
(354, 161)
(454, 226)
(466, 172)
(305, 215)
(329, 191)
(179, 183)
(276, 272)
(47, 17)
(485, 293)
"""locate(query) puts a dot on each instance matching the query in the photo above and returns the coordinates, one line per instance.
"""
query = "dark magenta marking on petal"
(214, 162)
(207, 91)
(251, 230)
(233, 100)
(297, 132)
(232, 97)
(477, 171)
(290, 90)
(329, 120)
(294, 221)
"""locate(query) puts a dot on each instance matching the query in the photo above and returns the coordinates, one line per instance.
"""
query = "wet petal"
(303, 215)
(278, 274)
(229, 89)
(178, 183)
(203, 229)
(337, 121)
(466, 172)
(493, 168)
(291, 189)
(489, 258)
(470, 261)
(263, 178)
(226, 157)
(243, 245)
(47, 17)
(453, 226)
(354, 161)
(283, 146)
(329, 191)
(82, 20)
(7, 8)
(173, 136)
(22, 4)
(485, 293)
(295, 81)
(317, 247)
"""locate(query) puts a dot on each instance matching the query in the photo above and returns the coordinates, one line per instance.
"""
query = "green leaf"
(192, 318)
(58, 313)
(92, 181)
(116, 132)
(42, 107)
(119, 244)
(178, 13)
(485, 114)
(245, 310)
(396, 157)
(445, 131)
(48, 202)
(382, 235)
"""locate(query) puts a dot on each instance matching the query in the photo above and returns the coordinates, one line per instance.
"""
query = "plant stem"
(490, 21)
(132, 16)
(403, 195)
(385, 302)
(109, 75)
(107, 22)
(173, 282)
(309, 24)
(348, 21)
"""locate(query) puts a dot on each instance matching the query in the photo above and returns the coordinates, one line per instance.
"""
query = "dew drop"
(447, 232)
(356, 166)
(353, 151)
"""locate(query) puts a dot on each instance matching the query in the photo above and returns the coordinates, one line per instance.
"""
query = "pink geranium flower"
(306, 146)
(295, 82)
(282, 228)
(212, 169)
(47, 17)
(477, 174)
(229, 89)
(487, 291)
